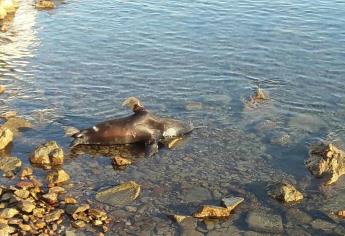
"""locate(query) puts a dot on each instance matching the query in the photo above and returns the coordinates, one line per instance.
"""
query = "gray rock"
(264, 222)
(296, 216)
(9, 163)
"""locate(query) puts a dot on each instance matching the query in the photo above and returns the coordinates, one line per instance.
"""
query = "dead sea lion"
(142, 126)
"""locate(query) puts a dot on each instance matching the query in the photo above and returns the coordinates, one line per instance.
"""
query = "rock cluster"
(326, 159)
(284, 192)
(28, 209)
(45, 4)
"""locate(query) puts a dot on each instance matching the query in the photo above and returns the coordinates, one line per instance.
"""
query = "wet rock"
(8, 213)
(97, 214)
(281, 139)
(174, 142)
(178, 218)
(120, 161)
(120, 194)
(27, 206)
(24, 227)
(296, 216)
(49, 153)
(25, 184)
(54, 216)
(340, 214)
(264, 222)
(25, 173)
(259, 97)
(5, 229)
(6, 136)
(193, 106)
(70, 200)
(45, 4)
(326, 159)
(51, 198)
(208, 211)
(17, 123)
(75, 209)
(196, 194)
(306, 122)
(232, 202)
(56, 177)
(284, 192)
(2, 89)
(8, 114)
(323, 225)
(78, 224)
(22, 193)
(9, 163)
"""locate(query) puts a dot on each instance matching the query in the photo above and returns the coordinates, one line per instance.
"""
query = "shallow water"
(74, 65)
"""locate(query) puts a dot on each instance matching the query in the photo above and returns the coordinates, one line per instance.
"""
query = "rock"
(25, 173)
(8, 213)
(2, 89)
(27, 206)
(232, 202)
(259, 97)
(173, 143)
(45, 4)
(75, 209)
(40, 224)
(38, 212)
(56, 177)
(6, 136)
(97, 214)
(196, 194)
(326, 159)
(51, 198)
(8, 114)
(306, 123)
(281, 139)
(54, 216)
(70, 200)
(5, 229)
(178, 218)
(25, 227)
(296, 216)
(208, 211)
(78, 224)
(264, 222)
(70, 131)
(25, 184)
(284, 192)
(119, 195)
(322, 225)
(22, 193)
(48, 154)
(16, 123)
(120, 161)
(9, 163)
(340, 214)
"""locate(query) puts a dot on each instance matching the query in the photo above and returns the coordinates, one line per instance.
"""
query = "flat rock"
(45, 4)
(75, 208)
(232, 202)
(9, 163)
(119, 195)
(49, 153)
(54, 216)
(17, 123)
(120, 161)
(196, 194)
(264, 222)
(56, 177)
(178, 218)
(284, 192)
(6, 136)
(208, 211)
(8, 114)
(8, 213)
(326, 159)
(27, 206)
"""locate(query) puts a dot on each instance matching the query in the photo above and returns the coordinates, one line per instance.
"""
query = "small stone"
(284, 192)
(9, 163)
(57, 177)
(120, 161)
(25, 173)
(25, 227)
(54, 216)
(6, 136)
(119, 195)
(78, 224)
(2, 89)
(178, 218)
(208, 211)
(22, 193)
(45, 4)
(25, 184)
(70, 200)
(95, 213)
(27, 206)
(74, 209)
(6, 196)
(39, 212)
(49, 153)
(5, 229)
(51, 198)
(40, 224)
(264, 222)
(8, 213)
(97, 222)
(56, 189)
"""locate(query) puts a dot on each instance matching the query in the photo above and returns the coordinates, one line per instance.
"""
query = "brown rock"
(25, 184)
(326, 159)
(56, 189)
(6, 136)
(74, 209)
(16, 123)
(8, 213)
(56, 177)
(95, 213)
(51, 198)
(120, 161)
(259, 97)
(70, 200)
(208, 211)
(54, 216)
(27, 206)
(25, 173)
(38, 212)
(40, 224)
(22, 193)
(25, 227)
(284, 192)
(45, 4)
(8, 114)
(5, 229)
(78, 224)
(49, 153)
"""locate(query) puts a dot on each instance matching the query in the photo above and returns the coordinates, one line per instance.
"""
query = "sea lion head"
(133, 103)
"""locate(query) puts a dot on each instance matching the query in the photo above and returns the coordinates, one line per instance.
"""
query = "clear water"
(74, 65)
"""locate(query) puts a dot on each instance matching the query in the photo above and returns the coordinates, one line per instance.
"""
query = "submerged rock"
(259, 97)
(17, 123)
(119, 195)
(232, 202)
(8, 164)
(45, 4)
(56, 177)
(120, 161)
(192, 106)
(264, 222)
(9, 114)
(284, 192)
(326, 159)
(6, 136)
(49, 153)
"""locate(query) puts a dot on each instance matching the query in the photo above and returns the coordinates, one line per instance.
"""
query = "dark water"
(74, 65)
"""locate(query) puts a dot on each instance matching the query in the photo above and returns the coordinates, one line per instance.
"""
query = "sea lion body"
(141, 126)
